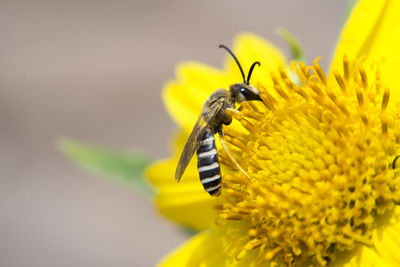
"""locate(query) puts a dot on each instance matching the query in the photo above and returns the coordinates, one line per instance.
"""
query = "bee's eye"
(245, 92)
(248, 94)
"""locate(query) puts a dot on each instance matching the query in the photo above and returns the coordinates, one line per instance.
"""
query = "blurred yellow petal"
(250, 47)
(184, 96)
(372, 33)
(204, 249)
(383, 252)
(363, 256)
(186, 203)
(387, 242)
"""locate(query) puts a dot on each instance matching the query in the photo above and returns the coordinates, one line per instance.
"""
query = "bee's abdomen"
(208, 165)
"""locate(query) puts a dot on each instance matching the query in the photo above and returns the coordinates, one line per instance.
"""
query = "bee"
(215, 113)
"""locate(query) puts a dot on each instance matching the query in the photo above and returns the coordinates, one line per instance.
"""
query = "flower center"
(321, 162)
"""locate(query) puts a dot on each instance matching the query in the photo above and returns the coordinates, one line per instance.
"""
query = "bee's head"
(243, 91)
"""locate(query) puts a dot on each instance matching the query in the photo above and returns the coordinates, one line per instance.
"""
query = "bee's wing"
(192, 144)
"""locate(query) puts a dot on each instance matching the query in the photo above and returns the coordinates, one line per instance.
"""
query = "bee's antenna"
(251, 70)
(237, 61)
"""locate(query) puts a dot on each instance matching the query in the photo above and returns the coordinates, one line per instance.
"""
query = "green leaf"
(108, 163)
(296, 50)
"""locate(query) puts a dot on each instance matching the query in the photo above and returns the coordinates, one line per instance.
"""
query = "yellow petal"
(373, 32)
(361, 256)
(207, 249)
(185, 96)
(383, 252)
(387, 243)
(186, 203)
(250, 47)
(204, 249)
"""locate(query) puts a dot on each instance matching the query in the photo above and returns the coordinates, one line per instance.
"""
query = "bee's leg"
(222, 141)
(233, 111)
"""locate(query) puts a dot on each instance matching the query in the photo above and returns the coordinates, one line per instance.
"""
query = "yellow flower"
(321, 154)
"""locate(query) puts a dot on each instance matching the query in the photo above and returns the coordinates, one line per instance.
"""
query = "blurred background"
(93, 71)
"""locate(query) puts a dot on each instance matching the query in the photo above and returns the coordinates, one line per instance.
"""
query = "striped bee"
(210, 122)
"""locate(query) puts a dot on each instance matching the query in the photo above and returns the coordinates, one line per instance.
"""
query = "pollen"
(320, 157)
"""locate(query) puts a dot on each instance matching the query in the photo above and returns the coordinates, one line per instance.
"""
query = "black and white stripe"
(208, 165)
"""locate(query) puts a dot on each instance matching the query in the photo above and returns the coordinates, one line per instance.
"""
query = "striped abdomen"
(208, 165)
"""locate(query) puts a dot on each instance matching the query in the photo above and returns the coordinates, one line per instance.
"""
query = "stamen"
(282, 93)
(267, 101)
(270, 98)
(304, 70)
(385, 99)
(233, 217)
(332, 96)
(346, 68)
(340, 81)
(248, 126)
(364, 79)
(237, 179)
(270, 254)
(310, 70)
(250, 110)
(295, 88)
(384, 121)
(314, 78)
(303, 78)
(237, 143)
(343, 109)
(360, 97)
(315, 88)
(319, 71)
(252, 244)
(274, 79)
(283, 74)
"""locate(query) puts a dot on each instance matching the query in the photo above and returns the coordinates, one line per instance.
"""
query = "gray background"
(93, 70)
